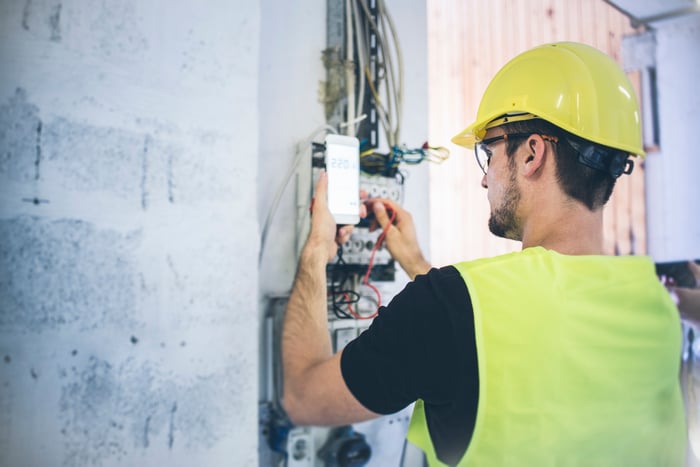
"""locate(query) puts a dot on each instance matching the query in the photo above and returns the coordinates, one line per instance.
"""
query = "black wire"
(336, 282)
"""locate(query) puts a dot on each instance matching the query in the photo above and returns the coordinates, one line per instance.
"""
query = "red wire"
(365, 280)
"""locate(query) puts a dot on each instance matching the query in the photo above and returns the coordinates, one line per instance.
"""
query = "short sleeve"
(415, 348)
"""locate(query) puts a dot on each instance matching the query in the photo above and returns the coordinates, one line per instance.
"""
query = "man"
(689, 297)
(555, 355)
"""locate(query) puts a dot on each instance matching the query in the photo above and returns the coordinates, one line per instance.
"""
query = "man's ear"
(535, 155)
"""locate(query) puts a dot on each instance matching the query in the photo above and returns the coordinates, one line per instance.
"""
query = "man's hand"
(324, 232)
(400, 238)
(689, 298)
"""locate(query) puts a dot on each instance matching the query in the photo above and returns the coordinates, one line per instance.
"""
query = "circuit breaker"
(358, 250)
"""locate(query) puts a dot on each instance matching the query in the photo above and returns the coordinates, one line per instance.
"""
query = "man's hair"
(587, 185)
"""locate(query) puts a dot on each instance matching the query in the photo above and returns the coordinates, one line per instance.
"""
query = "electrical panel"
(362, 98)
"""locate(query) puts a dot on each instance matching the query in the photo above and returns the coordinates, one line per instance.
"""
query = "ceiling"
(647, 11)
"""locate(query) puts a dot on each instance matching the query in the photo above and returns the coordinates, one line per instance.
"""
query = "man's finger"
(363, 211)
(343, 234)
(380, 214)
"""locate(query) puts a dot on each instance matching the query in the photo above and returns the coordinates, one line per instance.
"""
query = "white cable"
(394, 90)
(378, 35)
(398, 96)
(361, 52)
(354, 122)
(283, 186)
(392, 111)
(349, 71)
(389, 67)
(382, 112)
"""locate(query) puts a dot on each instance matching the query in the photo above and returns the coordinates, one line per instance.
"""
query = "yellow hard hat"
(574, 86)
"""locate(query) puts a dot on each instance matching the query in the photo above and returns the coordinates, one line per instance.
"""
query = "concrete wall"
(128, 232)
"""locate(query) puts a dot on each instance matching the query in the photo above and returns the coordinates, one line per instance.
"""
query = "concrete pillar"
(128, 232)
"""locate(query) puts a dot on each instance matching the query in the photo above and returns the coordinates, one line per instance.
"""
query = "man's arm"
(314, 389)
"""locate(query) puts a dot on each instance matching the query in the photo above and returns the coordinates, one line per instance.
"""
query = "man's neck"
(570, 230)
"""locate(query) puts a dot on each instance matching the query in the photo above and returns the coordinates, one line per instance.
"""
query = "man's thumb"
(380, 214)
(320, 192)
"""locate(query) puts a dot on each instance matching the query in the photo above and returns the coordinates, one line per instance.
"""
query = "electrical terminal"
(358, 249)
(382, 187)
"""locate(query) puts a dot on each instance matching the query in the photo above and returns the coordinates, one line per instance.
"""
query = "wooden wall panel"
(468, 41)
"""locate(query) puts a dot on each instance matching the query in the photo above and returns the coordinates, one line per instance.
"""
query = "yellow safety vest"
(578, 360)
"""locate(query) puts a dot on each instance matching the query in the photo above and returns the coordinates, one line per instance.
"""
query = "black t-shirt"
(422, 345)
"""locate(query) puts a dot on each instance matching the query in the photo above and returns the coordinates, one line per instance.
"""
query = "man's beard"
(503, 221)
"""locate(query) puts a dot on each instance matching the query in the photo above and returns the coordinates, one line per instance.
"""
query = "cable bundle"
(386, 164)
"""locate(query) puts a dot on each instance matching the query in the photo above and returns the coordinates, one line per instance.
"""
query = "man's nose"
(483, 182)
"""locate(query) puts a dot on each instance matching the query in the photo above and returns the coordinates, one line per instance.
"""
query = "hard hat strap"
(615, 163)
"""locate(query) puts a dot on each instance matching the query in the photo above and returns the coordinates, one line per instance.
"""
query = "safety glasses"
(482, 150)
(483, 153)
